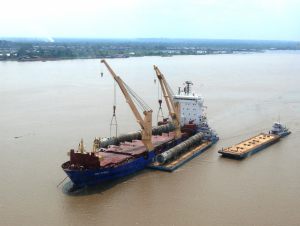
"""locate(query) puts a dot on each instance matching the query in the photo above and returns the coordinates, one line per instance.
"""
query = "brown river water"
(47, 107)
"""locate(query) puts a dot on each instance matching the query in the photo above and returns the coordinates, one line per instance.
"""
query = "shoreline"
(39, 59)
(125, 56)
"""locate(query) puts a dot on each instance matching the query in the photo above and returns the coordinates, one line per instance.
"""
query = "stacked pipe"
(158, 130)
(184, 146)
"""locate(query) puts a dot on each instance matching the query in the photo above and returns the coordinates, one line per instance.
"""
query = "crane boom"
(146, 122)
(173, 108)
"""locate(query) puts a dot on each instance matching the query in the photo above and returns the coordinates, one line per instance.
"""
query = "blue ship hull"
(88, 177)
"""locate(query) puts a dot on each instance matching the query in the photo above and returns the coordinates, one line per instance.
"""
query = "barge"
(256, 143)
(179, 160)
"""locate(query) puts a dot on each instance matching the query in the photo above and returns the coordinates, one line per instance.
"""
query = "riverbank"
(66, 49)
(44, 59)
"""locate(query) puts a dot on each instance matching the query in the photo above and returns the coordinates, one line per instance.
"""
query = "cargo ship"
(116, 157)
(256, 143)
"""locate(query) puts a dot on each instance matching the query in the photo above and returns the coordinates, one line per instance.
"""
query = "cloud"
(150, 18)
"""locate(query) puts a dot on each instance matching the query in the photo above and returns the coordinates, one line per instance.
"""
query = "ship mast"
(173, 107)
(146, 122)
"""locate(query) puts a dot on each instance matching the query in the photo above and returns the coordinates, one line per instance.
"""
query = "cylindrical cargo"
(184, 146)
(158, 130)
(121, 138)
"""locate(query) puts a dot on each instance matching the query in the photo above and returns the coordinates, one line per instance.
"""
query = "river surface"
(47, 107)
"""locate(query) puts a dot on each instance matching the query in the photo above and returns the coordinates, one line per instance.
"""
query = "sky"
(197, 19)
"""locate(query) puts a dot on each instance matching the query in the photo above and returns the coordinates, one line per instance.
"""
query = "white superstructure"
(191, 105)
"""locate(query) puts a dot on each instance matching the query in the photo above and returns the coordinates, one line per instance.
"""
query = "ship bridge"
(191, 105)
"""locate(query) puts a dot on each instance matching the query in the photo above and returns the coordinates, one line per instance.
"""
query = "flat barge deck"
(250, 146)
(182, 159)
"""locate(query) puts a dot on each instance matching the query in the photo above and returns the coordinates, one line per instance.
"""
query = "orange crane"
(173, 107)
(146, 122)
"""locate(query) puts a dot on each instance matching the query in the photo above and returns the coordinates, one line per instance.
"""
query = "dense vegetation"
(27, 49)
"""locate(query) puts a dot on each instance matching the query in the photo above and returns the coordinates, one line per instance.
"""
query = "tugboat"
(117, 157)
(279, 129)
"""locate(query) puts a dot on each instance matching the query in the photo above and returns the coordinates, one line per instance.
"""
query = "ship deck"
(117, 154)
(249, 146)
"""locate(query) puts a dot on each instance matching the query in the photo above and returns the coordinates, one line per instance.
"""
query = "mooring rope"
(61, 181)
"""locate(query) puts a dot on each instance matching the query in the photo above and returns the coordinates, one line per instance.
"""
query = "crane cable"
(137, 100)
(114, 122)
(160, 113)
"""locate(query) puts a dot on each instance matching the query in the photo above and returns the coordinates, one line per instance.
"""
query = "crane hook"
(114, 110)
(160, 102)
